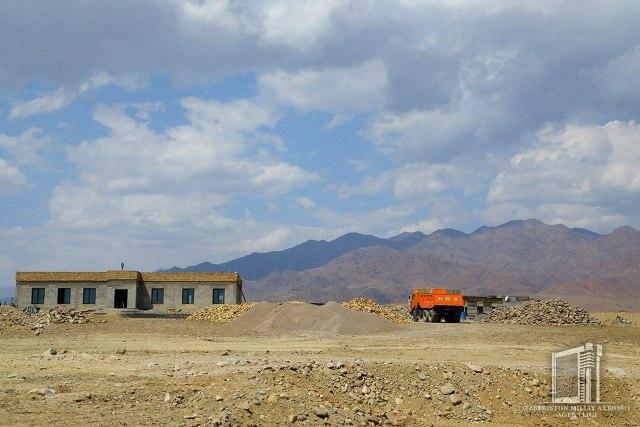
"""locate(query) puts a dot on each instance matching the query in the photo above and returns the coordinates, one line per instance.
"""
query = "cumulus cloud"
(342, 91)
(135, 175)
(11, 179)
(336, 222)
(414, 181)
(160, 198)
(580, 174)
(62, 98)
(28, 148)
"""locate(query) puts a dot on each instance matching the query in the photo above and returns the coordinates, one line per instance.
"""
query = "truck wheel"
(435, 318)
(455, 319)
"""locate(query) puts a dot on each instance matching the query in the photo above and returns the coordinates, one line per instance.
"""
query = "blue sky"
(168, 133)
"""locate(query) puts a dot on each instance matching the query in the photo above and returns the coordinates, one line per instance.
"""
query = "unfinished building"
(475, 305)
(117, 290)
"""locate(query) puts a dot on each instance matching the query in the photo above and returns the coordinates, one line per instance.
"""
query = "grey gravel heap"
(619, 320)
(542, 312)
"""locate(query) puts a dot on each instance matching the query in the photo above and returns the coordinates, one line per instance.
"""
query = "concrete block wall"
(104, 294)
(138, 294)
(203, 294)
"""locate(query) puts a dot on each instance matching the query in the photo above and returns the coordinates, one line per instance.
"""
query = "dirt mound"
(368, 305)
(221, 312)
(331, 318)
(542, 312)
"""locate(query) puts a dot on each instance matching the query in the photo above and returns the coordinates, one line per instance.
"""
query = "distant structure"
(122, 266)
(475, 305)
(127, 289)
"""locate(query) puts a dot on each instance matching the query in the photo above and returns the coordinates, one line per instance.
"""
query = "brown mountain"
(517, 258)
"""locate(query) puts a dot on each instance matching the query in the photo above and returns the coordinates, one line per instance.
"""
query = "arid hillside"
(519, 257)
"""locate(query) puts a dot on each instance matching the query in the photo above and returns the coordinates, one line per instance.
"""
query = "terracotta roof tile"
(75, 276)
(166, 276)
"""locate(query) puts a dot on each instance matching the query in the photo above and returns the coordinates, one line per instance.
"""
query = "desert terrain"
(142, 371)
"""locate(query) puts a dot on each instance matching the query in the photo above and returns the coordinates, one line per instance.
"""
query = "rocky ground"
(172, 371)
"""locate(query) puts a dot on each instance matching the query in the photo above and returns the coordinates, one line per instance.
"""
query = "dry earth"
(178, 372)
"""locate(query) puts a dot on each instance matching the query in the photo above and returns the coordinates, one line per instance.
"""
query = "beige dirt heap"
(329, 319)
(370, 306)
(542, 312)
(221, 312)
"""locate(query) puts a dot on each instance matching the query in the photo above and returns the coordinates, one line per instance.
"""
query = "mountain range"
(522, 257)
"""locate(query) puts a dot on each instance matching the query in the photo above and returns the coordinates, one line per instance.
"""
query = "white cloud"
(581, 174)
(62, 98)
(366, 221)
(438, 134)
(411, 181)
(300, 25)
(158, 199)
(343, 91)
(137, 176)
(28, 148)
(45, 104)
(11, 179)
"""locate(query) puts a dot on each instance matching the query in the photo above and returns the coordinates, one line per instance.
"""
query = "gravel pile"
(60, 315)
(542, 312)
(221, 312)
(391, 313)
(14, 317)
(619, 320)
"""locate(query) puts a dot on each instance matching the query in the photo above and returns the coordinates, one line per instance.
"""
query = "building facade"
(117, 290)
(475, 305)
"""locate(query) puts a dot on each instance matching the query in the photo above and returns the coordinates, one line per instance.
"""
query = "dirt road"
(172, 371)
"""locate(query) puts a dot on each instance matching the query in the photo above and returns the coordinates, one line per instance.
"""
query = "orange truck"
(433, 305)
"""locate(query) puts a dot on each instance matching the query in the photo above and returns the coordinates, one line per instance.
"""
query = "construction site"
(441, 359)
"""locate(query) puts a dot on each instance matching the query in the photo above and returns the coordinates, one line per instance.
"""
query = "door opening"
(64, 295)
(120, 298)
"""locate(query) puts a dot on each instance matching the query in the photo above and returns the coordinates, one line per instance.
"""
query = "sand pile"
(331, 318)
(368, 305)
(221, 312)
(542, 312)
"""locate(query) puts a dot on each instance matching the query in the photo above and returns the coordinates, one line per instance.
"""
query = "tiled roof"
(75, 276)
(187, 276)
(106, 276)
